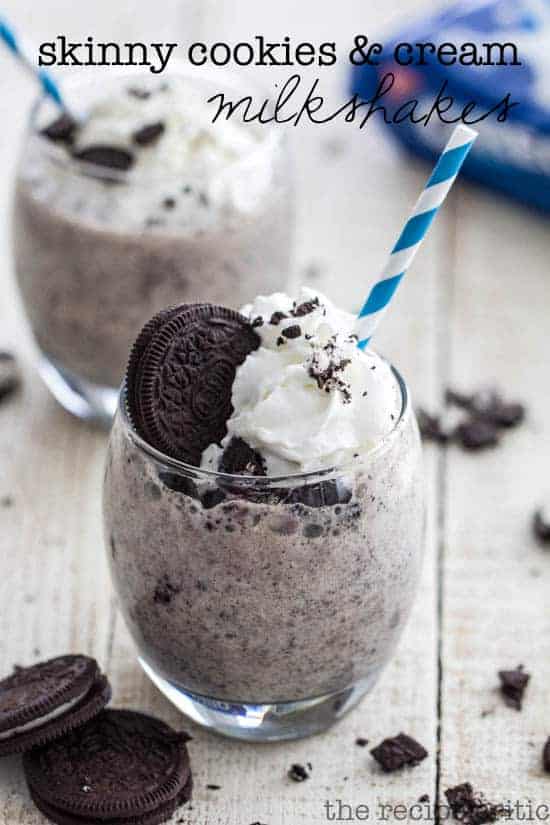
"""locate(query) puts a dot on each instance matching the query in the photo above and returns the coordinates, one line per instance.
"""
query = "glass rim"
(382, 446)
(59, 155)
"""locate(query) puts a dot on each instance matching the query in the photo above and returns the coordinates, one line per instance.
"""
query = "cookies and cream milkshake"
(142, 204)
(263, 512)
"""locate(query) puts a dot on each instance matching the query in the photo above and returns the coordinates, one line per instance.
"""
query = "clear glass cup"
(97, 252)
(265, 608)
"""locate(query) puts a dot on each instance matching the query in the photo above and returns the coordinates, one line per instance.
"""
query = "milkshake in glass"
(264, 513)
(142, 204)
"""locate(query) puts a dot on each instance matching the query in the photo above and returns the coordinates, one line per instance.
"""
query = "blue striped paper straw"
(25, 55)
(416, 229)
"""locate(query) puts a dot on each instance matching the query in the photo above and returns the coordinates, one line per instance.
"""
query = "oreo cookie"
(142, 342)
(180, 377)
(44, 701)
(161, 814)
(123, 768)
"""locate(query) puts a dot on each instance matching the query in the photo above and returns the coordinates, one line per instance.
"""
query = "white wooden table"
(474, 309)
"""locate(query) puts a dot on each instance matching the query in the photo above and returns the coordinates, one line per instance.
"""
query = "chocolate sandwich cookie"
(122, 768)
(180, 377)
(44, 701)
(142, 342)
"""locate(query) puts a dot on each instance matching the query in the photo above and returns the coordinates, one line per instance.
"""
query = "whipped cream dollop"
(185, 171)
(188, 140)
(308, 397)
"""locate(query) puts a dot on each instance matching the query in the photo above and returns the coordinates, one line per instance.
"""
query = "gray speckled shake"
(88, 288)
(203, 214)
(263, 600)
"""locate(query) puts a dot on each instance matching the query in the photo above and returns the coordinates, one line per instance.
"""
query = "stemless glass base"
(264, 723)
(83, 399)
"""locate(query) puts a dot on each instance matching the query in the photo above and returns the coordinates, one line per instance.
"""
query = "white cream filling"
(36, 723)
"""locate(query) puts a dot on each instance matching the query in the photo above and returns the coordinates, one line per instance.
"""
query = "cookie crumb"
(10, 378)
(292, 332)
(477, 434)
(277, 317)
(396, 752)
(298, 773)
(430, 427)
(470, 808)
(149, 134)
(512, 686)
(541, 525)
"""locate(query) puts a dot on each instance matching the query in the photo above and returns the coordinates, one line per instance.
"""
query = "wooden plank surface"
(464, 315)
(496, 593)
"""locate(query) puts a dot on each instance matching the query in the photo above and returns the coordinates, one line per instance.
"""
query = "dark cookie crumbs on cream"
(292, 332)
(62, 129)
(297, 311)
(328, 375)
(276, 318)
(319, 365)
(139, 93)
(109, 157)
(305, 308)
(149, 134)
